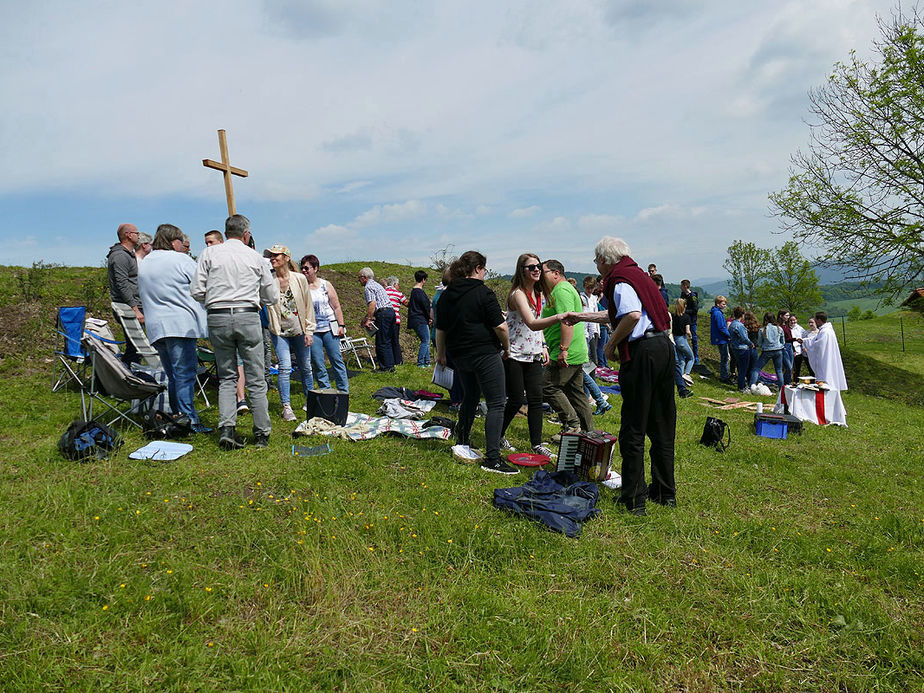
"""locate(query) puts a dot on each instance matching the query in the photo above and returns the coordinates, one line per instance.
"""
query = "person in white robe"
(824, 353)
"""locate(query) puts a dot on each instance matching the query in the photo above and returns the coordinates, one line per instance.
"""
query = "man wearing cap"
(144, 246)
(233, 280)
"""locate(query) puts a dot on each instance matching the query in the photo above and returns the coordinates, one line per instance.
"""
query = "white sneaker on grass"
(287, 413)
(505, 445)
(498, 467)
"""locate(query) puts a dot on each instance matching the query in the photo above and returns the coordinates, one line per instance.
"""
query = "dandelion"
(166, 500)
(449, 541)
(148, 493)
(208, 589)
(147, 597)
(413, 630)
(828, 550)
(122, 586)
(96, 517)
(105, 607)
(137, 512)
(169, 572)
(210, 644)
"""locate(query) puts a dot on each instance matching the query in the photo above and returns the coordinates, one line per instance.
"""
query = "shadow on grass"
(872, 377)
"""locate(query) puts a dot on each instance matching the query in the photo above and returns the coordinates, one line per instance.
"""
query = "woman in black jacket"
(471, 329)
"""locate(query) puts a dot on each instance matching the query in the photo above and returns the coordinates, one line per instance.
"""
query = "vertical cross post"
(227, 170)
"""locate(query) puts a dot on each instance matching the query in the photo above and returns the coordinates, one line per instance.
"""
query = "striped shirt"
(396, 298)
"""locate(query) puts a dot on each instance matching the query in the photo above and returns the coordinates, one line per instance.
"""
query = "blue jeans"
(284, 347)
(723, 360)
(423, 354)
(777, 358)
(695, 340)
(591, 388)
(684, 353)
(178, 357)
(327, 342)
(788, 357)
(744, 357)
(604, 338)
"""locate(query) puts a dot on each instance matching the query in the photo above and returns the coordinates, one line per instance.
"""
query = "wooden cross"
(227, 169)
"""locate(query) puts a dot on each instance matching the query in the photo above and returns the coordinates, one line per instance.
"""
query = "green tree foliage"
(747, 265)
(854, 313)
(858, 192)
(789, 282)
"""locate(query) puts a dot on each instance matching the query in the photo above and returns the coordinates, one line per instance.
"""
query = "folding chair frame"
(68, 367)
(87, 397)
(354, 346)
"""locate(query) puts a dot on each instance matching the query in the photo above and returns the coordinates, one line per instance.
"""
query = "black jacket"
(468, 313)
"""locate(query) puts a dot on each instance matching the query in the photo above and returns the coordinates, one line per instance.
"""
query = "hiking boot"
(543, 449)
(260, 440)
(287, 413)
(242, 407)
(229, 438)
(505, 445)
(498, 466)
(683, 394)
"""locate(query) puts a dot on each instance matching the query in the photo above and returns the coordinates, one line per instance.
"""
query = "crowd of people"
(536, 349)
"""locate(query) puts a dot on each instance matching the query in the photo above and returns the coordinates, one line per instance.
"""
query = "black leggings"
(524, 375)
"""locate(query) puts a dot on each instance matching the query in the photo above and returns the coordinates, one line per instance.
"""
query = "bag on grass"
(329, 404)
(85, 439)
(714, 432)
(159, 425)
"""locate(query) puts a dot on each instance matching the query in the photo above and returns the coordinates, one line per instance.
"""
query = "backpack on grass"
(89, 439)
(714, 431)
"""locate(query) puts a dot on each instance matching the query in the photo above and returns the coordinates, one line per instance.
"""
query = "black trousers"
(524, 375)
(481, 374)
(648, 409)
(384, 338)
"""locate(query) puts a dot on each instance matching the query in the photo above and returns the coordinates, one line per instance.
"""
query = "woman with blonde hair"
(291, 324)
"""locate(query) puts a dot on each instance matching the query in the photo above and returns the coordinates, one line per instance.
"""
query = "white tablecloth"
(821, 407)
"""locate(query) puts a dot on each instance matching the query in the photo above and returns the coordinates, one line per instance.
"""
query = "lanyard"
(537, 305)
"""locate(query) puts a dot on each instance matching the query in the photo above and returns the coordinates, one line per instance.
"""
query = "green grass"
(788, 566)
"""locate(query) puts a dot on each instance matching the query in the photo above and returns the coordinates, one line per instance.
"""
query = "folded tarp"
(557, 500)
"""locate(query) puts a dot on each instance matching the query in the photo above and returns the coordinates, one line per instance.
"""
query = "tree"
(858, 192)
(747, 265)
(854, 313)
(789, 281)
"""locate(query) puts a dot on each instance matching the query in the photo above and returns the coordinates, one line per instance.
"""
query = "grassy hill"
(789, 565)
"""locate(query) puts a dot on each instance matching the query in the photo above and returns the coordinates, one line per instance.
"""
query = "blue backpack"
(85, 439)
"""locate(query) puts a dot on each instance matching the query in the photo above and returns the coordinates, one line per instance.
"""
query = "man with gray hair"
(380, 314)
(144, 246)
(233, 280)
(397, 299)
(122, 269)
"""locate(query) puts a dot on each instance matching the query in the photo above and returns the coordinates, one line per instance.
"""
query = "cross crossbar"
(227, 170)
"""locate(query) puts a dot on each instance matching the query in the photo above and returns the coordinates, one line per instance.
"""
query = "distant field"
(865, 304)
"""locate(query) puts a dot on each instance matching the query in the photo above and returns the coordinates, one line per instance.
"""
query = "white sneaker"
(287, 413)
(687, 379)
(466, 453)
(505, 445)
(543, 449)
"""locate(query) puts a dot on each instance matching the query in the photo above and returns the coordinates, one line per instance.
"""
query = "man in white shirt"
(824, 354)
(233, 281)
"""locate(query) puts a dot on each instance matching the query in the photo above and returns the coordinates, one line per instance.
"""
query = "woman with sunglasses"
(528, 351)
(291, 324)
(330, 326)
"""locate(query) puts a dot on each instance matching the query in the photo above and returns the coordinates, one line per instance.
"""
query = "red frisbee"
(528, 459)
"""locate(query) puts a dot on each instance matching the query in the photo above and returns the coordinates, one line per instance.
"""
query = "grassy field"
(788, 566)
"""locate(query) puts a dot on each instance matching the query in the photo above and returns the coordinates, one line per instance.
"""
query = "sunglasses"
(532, 268)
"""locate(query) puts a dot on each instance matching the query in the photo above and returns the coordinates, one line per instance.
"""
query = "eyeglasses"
(532, 268)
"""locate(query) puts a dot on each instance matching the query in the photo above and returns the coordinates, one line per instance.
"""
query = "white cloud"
(525, 212)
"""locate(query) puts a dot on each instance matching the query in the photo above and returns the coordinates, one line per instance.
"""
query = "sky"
(388, 131)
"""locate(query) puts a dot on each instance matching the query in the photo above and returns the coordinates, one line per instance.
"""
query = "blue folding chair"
(70, 359)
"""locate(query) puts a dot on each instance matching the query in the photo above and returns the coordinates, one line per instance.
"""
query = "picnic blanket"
(365, 427)
(384, 393)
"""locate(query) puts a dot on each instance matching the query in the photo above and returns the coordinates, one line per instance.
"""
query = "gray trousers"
(564, 391)
(233, 334)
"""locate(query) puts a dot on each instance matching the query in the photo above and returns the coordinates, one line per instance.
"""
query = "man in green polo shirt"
(564, 380)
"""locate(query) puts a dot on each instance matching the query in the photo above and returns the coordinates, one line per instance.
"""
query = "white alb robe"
(825, 356)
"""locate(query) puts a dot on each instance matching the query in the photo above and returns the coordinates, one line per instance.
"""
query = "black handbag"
(329, 404)
(714, 433)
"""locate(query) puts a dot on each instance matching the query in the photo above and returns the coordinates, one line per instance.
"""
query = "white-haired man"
(640, 323)
(380, 312)
(233, 280)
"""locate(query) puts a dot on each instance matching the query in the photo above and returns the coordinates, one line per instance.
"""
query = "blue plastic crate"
(771, 429)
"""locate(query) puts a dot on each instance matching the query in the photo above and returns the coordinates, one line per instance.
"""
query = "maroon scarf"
(626, 271)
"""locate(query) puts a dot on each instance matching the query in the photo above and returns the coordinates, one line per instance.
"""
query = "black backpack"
(713, 433)
(159, 425)
(85, 439)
